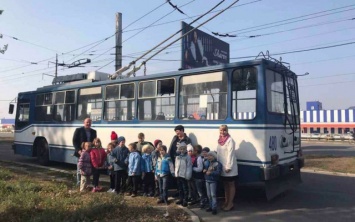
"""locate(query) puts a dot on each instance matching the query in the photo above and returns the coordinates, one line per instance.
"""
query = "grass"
(35, 196)
(330, 163)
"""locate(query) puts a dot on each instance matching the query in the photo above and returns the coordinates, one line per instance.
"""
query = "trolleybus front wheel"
(43, 152)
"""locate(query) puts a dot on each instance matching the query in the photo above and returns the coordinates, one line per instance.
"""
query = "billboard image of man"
(200, 49)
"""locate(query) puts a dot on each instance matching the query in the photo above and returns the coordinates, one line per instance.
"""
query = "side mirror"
(11, 108)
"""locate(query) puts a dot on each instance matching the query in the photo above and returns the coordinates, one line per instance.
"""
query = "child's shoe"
(214, 211)
(179, 202)
(98, 188)
(94, 190)
(209, 209)
(133, 195)
(110, 190)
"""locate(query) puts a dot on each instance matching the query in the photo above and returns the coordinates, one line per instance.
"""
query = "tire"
(42, 152)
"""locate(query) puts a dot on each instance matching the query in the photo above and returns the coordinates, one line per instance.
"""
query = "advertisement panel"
(200, 49)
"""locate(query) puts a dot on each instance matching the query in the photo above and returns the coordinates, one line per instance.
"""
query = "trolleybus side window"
(244, 93)
(119, 102)
(90, 103)
(44, 107)
(156, 100)
(203, 97)
(275, 92)
(64, 106)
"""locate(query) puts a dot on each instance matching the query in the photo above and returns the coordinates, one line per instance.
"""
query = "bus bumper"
(282, 177)
(281, 170)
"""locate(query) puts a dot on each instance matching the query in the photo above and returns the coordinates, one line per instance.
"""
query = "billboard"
(200, 49)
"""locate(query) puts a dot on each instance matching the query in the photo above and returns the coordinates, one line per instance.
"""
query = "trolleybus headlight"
(274, 159)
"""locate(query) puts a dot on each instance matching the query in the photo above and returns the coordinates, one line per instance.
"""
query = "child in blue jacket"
(163, 169)
(148, 171)
(134, 168)
(212, 170)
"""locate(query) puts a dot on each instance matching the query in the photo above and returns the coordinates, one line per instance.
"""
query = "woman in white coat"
(226, 155)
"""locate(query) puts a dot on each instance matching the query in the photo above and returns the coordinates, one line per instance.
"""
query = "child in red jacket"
(98, 158)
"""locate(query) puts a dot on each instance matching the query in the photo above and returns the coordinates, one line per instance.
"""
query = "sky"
(316, 37)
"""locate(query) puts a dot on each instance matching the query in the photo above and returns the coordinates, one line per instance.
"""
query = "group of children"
(147, 167)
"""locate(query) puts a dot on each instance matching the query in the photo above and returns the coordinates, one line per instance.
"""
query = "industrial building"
(316, 120)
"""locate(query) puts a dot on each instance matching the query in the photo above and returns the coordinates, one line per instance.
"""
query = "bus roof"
(86, 83)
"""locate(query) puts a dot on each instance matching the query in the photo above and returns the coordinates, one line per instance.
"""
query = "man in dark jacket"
(82, 134)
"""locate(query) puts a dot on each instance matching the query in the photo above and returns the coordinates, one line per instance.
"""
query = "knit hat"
(206, 149)
(181, 149)
(156, 142)
(182, 144)
(113, 135)
(120, 139)
(213, 153)
(190, 147)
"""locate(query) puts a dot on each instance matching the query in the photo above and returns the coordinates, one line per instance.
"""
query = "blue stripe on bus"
(339, 115)
(318, 116)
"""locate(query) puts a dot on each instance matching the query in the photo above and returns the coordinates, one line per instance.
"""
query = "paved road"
(328, 148)
(320, 198)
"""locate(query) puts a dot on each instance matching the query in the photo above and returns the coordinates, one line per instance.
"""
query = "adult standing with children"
(82, 134)
(226, 155)
(179, 138)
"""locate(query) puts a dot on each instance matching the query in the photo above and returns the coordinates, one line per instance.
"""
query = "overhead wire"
(297, 51)
(151, 11)
(170, 37)
(267, 25)
(34, 44)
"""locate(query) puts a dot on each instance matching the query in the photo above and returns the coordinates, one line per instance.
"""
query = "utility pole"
(118, 47)
(56, 65)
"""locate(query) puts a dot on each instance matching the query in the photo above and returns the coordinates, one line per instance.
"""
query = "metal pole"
(56, 65)
(118, 64)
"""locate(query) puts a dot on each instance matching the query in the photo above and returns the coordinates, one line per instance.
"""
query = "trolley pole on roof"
(118, 47)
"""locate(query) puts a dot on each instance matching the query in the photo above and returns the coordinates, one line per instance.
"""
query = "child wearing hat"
(183, 172)
(198, 175)
(212, 170)
(134, 169)
(114, 138)
(120, 155)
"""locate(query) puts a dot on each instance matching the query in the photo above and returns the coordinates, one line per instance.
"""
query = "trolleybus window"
(275, 92)
(64, 107)
(90, 103)
(119, 102)
(44, 107)
(23, 112)
(203, 97)
(244, 93)
(292, 99)
(156, 100)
